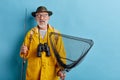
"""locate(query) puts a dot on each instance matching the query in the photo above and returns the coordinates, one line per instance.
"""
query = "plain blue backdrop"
(95, 19)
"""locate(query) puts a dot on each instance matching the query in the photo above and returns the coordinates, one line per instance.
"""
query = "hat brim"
(49, 13)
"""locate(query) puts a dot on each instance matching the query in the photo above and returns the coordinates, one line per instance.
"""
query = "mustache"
(41, 21)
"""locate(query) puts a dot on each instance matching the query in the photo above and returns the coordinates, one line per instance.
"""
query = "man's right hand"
(24, 49)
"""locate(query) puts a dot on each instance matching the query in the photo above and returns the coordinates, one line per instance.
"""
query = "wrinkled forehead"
(42, 12)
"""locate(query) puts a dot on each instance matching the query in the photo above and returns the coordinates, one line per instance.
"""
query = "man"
(36, 48)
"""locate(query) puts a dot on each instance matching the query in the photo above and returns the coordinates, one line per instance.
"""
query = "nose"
(41, 17)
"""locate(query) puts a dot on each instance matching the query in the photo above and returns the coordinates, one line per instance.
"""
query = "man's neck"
(43, 27)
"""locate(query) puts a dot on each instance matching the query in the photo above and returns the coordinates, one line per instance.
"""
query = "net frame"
(67, 67)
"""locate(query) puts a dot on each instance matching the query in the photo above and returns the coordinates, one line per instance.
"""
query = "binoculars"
(43, 47)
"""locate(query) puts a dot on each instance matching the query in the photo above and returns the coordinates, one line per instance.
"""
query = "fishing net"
(69, 50)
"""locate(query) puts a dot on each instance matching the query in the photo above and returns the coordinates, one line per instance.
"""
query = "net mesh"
(69, 50)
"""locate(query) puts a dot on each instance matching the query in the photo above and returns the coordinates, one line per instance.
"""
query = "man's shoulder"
(33, 30)
(53, 29)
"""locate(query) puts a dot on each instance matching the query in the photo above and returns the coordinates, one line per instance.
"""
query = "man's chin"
(42, 26)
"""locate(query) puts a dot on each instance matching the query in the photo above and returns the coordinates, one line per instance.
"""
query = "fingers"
(24, 49)
(62, 75)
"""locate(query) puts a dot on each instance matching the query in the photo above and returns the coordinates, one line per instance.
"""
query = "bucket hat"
(41, 9)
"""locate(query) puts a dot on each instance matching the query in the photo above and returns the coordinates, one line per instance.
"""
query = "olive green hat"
(41, 9)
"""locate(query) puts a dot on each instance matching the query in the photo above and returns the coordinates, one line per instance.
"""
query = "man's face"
(42, 19)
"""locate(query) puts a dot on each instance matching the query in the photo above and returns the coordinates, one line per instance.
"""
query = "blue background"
(95, 19)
